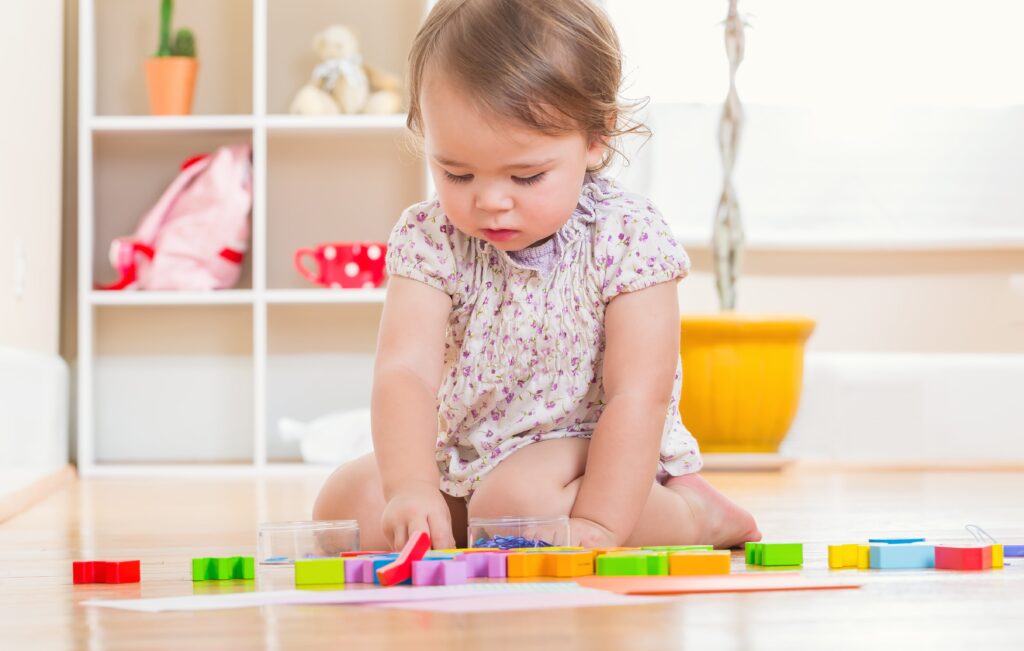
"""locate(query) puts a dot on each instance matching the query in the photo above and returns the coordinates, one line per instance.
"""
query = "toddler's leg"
(543, 479)
(353, 492)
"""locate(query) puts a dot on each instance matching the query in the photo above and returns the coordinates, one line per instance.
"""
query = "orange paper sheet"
(663, 585)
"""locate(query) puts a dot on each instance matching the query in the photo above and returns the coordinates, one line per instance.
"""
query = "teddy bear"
(342, 83)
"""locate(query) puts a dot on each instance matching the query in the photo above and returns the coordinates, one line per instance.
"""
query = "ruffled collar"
(596, 191)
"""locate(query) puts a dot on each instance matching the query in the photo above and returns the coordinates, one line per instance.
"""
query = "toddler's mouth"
(499, 234)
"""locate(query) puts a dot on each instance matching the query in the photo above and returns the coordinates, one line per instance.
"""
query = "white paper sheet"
(587, 597)
(470, 591)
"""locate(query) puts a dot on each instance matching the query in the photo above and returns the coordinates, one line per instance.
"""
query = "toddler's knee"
(344, 493)
(517, 500)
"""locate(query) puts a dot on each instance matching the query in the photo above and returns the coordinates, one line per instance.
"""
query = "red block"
(105, 572)
(401, 568)
(963, 558)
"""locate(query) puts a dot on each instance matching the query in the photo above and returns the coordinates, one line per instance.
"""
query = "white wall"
(31, 67)
(33, 377)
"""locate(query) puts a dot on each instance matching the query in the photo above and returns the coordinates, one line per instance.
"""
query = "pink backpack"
(195, 237)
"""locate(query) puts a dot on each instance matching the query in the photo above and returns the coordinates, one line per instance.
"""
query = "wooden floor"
(166, 522)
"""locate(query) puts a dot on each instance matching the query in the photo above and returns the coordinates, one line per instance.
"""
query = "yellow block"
(569, 564)
(863, 557)
(684, 563)
(601, 551)
(526, 565)
(842, 556)
(997, 557)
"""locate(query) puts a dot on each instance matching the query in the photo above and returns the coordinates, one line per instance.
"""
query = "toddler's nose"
(493, 199)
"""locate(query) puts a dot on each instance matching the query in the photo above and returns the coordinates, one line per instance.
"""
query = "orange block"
(569, 564)
(688, 563)
(523, 565)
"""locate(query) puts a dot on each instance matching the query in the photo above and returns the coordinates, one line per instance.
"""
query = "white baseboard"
(899, 409)
(33, 419)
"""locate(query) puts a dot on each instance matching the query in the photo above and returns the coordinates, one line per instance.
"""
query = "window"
(875, 122)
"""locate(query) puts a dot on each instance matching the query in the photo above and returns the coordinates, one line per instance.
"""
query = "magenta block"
(368, 573)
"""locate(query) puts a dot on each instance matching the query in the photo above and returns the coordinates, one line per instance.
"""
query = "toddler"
(528, 354)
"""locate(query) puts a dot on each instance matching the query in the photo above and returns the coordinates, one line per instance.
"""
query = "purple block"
(453, 572)
(439, 572)
(497, 566)
(354, 570)
(477, 564)
(368, 573)
(427, 572)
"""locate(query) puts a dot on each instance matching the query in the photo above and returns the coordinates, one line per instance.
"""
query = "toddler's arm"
(641, 353)
(407, 374)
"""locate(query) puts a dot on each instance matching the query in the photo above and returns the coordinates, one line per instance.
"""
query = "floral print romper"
(525, 337)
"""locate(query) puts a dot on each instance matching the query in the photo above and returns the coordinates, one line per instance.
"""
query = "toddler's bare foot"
(723, 523)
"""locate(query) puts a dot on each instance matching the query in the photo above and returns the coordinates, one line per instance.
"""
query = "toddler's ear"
(597, 150)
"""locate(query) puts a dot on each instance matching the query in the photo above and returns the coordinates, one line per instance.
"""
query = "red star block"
(105, 572)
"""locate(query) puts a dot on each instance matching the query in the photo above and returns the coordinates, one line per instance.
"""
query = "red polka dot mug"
(349, 265)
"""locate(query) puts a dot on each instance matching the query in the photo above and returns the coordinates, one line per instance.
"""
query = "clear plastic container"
(280, 543)
(514, 533)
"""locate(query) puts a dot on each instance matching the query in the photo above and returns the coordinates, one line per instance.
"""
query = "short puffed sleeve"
(635, 247)
(421, 247)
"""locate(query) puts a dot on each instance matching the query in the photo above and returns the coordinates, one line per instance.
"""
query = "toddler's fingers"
(441, 532)
(401, 535)
(418, 523)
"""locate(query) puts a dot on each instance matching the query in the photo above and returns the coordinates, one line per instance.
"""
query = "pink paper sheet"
(508, 602)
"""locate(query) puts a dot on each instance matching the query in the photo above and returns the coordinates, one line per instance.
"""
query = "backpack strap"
(123, 256)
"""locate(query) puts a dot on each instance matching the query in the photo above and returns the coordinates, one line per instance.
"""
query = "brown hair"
(552, 65)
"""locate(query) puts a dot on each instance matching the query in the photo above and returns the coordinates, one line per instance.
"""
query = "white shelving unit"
(190, 382)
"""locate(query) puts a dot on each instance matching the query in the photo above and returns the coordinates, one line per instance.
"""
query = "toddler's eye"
(465, 178)
(529, 180)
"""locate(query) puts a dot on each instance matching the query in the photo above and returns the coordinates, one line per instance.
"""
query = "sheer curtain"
(876, 123)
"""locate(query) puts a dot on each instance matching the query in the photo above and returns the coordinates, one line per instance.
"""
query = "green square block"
(223, 569)
(624, 565)
(320, 571)
(753, 552)
(777, 554)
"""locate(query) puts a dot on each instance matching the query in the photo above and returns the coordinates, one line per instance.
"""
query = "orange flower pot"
(171, 82)
(742, 379)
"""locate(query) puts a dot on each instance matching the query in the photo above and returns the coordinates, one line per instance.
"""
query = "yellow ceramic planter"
(742, 377)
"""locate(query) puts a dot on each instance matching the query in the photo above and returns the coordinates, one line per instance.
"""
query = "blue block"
(902, 557)
(1014, 551)
(896, 541)
(381, 561)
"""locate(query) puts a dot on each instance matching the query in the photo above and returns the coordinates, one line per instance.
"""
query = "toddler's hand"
(587, 533)
(418, 507)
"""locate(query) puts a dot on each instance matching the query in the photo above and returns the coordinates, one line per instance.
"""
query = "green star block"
(223, 569)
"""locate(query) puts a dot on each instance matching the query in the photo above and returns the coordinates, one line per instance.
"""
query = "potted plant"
(742, 373)
(171, 72)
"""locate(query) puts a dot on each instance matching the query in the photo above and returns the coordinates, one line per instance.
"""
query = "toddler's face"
(497, 179)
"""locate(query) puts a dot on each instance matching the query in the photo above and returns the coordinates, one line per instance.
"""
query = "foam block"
(975, 557)
(622, 564)
(903, 556)
(355, 568)
(319, 571)
(842, 556)
(695, 563)
(223, 569)
(895, 541)
(400, 570)
(569, 564)
(105, 572)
